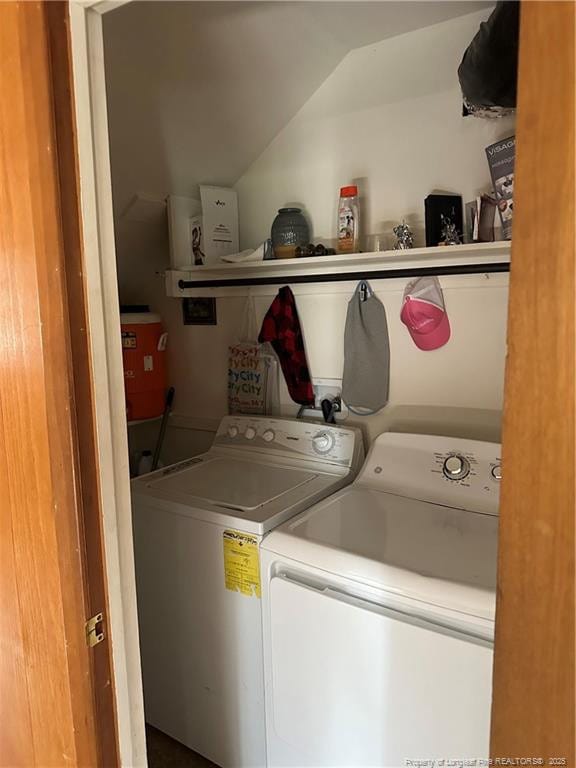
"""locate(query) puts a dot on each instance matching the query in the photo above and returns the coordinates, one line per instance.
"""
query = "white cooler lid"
(139, 318)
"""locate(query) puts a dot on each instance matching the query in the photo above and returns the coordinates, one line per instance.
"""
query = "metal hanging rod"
(338, 277)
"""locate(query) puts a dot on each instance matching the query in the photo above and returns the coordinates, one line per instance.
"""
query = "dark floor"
(164, 752)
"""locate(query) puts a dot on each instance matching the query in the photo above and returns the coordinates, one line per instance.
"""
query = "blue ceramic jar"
(289, 230)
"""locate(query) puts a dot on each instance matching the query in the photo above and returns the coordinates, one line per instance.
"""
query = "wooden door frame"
(58, 694)
(533, 713)
(107, 372)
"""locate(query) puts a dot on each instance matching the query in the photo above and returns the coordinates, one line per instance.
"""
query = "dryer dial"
(456, 467)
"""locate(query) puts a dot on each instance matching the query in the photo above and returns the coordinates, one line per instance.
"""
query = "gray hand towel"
(366, 376)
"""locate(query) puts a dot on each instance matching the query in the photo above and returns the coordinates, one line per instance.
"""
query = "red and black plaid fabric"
(281, 328)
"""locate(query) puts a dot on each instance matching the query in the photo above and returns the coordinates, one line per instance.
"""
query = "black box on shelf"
(437, 206)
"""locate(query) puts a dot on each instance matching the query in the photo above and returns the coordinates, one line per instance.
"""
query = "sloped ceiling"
(197, 90)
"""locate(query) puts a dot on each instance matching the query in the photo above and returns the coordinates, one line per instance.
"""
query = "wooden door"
(533, 706)
(56, 705)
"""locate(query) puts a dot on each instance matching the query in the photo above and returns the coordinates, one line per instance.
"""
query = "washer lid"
(439, 554)
(231, 483)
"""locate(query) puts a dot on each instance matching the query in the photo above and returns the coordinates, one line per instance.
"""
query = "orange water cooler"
(144, 356)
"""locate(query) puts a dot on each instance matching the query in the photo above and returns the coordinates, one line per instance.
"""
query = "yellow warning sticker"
(241, 563)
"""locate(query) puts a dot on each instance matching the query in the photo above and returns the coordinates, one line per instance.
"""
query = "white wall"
(467, 373)
(196, 90)
(389, 117)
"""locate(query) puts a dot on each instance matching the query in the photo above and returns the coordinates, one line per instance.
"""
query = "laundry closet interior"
(280, 105)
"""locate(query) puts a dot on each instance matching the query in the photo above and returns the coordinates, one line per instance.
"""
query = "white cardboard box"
(202, 232)
(181, 212)
(220, 222)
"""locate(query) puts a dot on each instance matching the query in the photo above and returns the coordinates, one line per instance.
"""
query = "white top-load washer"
(378, 612)
(197, 532)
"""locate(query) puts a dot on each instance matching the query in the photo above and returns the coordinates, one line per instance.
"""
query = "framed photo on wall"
(199, 311)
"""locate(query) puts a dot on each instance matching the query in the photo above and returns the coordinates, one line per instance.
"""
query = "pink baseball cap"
(424, 314)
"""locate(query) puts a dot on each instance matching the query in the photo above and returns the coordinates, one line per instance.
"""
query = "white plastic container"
(145, 463)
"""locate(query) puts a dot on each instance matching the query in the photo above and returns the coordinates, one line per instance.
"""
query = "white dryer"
(197, 532)
(378, 612)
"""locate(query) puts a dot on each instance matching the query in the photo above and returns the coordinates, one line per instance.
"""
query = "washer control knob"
(323, 442)
(496, 472)
(456, 467)
(250, 433)
(232, 431)
(268, 435)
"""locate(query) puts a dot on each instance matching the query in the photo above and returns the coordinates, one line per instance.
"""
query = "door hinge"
(94, 630)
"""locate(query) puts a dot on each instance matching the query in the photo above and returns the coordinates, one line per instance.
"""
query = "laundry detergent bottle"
(348, 220)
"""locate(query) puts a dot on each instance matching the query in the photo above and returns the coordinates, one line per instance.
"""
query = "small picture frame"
(438, 207)
(199, 311)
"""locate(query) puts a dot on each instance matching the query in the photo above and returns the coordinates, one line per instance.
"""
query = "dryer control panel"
(454, 472)
(327, 443)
